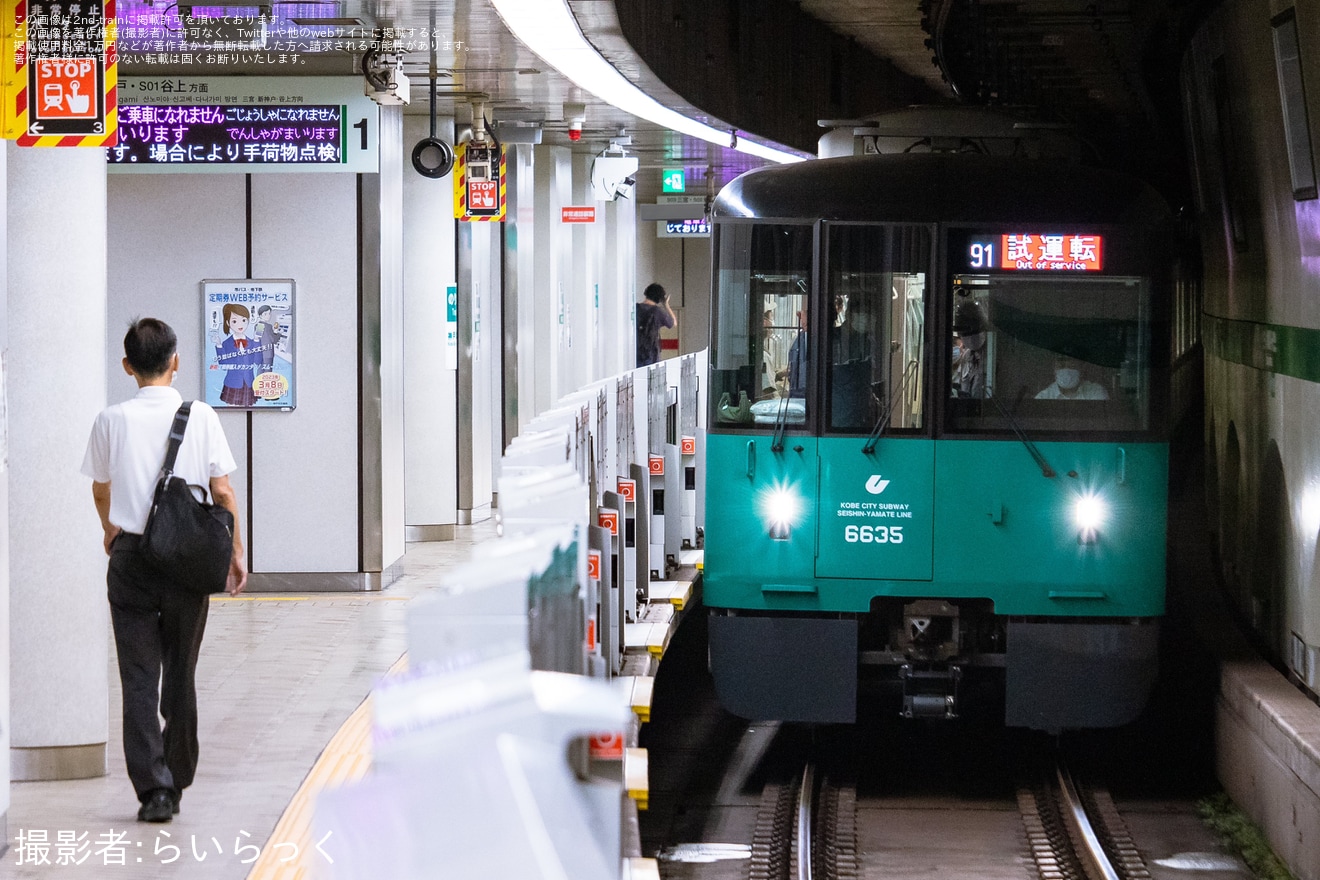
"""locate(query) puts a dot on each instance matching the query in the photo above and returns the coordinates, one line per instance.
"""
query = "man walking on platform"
(158, 624)
(653, 313)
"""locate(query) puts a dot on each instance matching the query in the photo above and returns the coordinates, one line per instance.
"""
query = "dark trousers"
(158, 634)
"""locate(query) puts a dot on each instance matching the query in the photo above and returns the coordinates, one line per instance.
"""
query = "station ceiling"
(764, 67)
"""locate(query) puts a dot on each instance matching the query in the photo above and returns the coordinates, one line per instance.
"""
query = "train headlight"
(780, 507)
(1089, 513)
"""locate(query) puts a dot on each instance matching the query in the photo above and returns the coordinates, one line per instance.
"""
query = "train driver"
(1068, 383)
(969, 330)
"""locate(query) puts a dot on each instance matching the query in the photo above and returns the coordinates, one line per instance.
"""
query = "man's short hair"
(149, 344)
(263, 309)
(654, 292)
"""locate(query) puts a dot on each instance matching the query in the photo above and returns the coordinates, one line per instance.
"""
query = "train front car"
(937, 450)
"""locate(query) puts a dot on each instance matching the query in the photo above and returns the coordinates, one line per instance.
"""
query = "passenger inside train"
(1070, 382)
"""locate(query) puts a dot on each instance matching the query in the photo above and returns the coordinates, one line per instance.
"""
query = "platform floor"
(278, 677)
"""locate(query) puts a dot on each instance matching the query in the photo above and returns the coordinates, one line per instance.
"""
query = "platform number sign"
(674, 180)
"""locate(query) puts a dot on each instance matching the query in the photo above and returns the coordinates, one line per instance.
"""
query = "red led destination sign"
(1050, 252)
(1037, 252)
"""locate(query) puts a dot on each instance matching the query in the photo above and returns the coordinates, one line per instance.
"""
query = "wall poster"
(247, 343)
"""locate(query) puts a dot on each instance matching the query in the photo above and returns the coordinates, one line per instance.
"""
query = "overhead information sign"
(243, 124)
(59, 73)
(674, 180)
(695, 227)
(237, 134)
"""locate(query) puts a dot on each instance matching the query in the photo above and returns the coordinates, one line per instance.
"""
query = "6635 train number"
(873, 534)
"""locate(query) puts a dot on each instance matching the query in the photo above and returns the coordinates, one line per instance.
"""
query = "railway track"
(806, 830)
(1076, 833)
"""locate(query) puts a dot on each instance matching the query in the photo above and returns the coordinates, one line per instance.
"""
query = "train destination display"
(1036, 252)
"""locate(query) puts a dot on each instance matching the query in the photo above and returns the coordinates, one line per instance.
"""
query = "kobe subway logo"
(875, 485)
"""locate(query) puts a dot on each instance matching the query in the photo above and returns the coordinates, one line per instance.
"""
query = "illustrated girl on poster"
(236, 356)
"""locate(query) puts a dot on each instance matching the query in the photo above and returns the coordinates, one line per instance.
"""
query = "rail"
(805, 815)
(1076, 833)
(1089, 848)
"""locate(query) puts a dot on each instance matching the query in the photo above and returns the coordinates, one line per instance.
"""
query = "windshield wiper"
(781, 426)
(883, 422)
(1045, 468)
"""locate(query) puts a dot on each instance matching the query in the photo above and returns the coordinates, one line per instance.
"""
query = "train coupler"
(930, 693)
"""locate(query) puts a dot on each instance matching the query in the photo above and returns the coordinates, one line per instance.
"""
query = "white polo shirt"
(127, 448)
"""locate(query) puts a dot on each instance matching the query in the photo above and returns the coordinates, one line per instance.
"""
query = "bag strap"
(176, 436)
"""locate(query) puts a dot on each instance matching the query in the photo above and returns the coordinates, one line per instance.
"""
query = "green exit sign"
(674, 180)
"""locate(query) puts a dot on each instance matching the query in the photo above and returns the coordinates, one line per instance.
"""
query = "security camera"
(612, 177)
(385, 81)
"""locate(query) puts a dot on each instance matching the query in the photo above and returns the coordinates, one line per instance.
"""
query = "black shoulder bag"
(187, 540)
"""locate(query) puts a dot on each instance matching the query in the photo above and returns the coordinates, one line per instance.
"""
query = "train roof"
(941, 187)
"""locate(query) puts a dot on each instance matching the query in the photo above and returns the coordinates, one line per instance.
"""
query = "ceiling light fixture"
(548, 28)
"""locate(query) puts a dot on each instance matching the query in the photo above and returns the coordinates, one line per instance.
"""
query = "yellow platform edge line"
(346, 757)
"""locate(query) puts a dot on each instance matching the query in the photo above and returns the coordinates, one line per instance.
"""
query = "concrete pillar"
(478, 367)
(553, 190)
(585, 247)
(4, 520)
(430, 357)
(621, 291)
(59, 627)
(519, 306)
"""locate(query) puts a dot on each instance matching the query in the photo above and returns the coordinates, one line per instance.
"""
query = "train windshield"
(1049, 354)
(760, 362)
(876, 304)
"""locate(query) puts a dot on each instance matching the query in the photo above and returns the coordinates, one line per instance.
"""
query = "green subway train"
(937, 448)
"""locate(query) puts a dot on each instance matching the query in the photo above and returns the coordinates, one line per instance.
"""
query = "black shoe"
(158, 808)
(176, 797)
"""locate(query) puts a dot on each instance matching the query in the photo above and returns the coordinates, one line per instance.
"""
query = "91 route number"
(873, 534)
